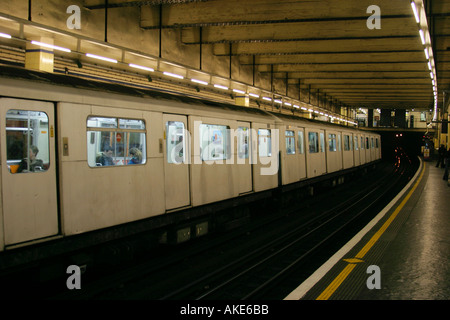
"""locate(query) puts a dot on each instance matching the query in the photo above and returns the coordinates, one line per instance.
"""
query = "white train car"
(105, 158)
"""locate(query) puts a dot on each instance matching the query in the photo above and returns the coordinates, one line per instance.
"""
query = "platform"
(402, 254)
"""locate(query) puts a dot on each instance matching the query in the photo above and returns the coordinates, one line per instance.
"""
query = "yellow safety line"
(328, 292)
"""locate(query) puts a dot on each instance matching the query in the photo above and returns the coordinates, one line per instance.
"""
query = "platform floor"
(403, 254)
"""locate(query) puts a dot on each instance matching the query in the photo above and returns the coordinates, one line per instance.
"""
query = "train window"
(373, 144)
(214, 142)
(356, 143)
(301, 148)
(264, 143)
(331, 142)
(367, 143)
(313, 139)
(362, 143)
(176, 142)
(290, 142)
(27, 140)
(322, 142)
(115, 141)
(339, 142)
(376, 143)
(243, 136)
(347, 145)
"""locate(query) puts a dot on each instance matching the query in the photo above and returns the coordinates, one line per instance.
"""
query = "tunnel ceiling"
(323, 45)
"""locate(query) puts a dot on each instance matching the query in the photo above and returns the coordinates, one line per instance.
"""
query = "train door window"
(290, 142)
(264, 143)
(347, 144)
(175, 142)
(367, 143)
(339, 142)
(331, 142)
(27, 139)
(313, 139)
(214, 142)
(376, 143)
(115, 141)
(243, 137)
(322, 142)
(301, 148)
(373, 144)
(356, 143)
(362, 143)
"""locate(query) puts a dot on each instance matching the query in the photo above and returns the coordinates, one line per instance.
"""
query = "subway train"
(81, 155)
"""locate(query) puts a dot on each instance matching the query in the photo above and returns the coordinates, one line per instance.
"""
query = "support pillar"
(370, 118)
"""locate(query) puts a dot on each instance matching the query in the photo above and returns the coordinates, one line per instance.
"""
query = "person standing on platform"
(441, 156)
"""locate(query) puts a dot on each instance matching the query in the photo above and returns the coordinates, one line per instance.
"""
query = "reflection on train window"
(347, 145)
(176, 142)
(367, 143)
(300, 142)
(214, 142)
(322, 142)
(264, 143)
(313, 139)
(27, 140)
(243, 138)
(115, 142)
(290, 142)
(331, 142)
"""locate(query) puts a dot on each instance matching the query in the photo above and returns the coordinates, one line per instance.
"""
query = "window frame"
(115, 130)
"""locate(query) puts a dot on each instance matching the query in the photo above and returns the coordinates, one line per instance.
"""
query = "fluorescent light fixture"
(90, 55)
(429, 65)
(426, 53)
(267, 99)
(173, 75)
(253, 95)
(310, 110)
(315, 111)
(431, 75)
(238, 91)
(199, 81)
(296, 106)
(321, 113)
(4, 35)
(416, 13)
(422, 36)
(278, 101)
(434, 83)
(220, 87)
(288, 104)
(50, 46)
(141, 67)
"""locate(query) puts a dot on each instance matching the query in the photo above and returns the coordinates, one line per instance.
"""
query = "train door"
(244, 157)
(176, 161)
(28, 170)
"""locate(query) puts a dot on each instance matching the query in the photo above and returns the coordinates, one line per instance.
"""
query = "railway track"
(242, 264)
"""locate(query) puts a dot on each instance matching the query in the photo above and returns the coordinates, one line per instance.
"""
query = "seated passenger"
(136, 156)
(106, 158)
(31, 164)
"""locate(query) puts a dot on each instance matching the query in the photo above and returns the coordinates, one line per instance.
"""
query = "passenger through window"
(27, 139)
(115, 142)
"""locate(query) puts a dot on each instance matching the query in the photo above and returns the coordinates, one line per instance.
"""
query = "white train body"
(193, 154)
